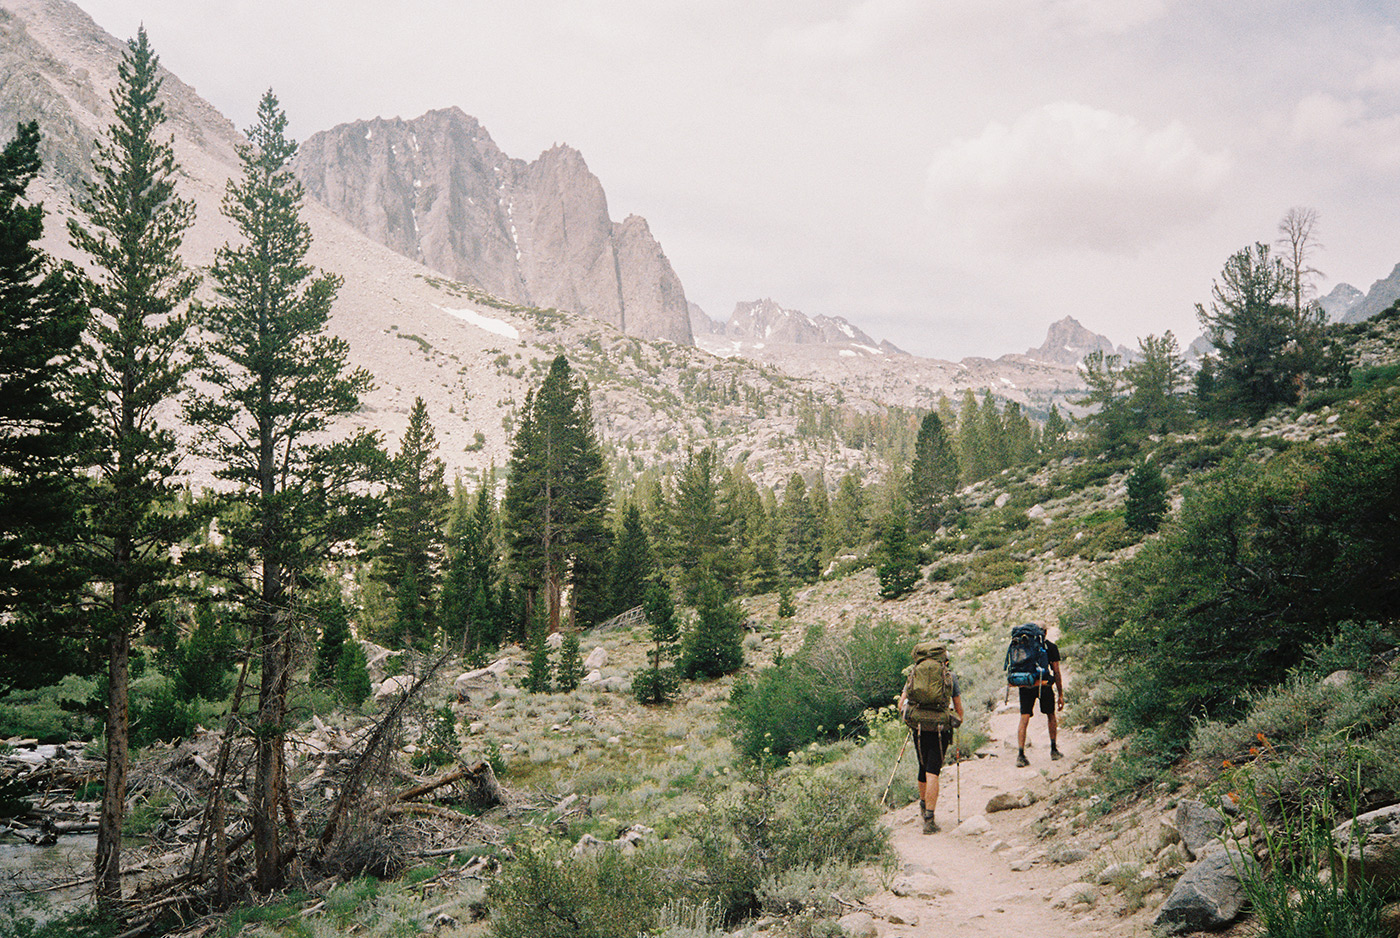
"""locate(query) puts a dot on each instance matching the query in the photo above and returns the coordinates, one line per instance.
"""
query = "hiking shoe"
(1055, 753)
(1021, 760)
(930, 825)
(925, 812)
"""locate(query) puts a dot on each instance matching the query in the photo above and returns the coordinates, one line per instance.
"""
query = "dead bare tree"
(1298, 242)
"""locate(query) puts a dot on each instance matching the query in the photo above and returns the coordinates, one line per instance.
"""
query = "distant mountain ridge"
(438, 190)
(1378, 299)
(766, 321)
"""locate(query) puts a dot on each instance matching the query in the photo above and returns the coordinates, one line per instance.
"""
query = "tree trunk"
(107, 864)
(267, 778)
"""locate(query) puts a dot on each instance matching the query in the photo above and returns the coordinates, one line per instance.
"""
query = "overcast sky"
(952, 175)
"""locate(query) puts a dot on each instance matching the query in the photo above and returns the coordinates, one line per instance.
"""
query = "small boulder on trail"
(1209, 897)
(1199, 824)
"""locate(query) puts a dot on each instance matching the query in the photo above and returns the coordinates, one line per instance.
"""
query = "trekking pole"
(896, 769)
(957, 771)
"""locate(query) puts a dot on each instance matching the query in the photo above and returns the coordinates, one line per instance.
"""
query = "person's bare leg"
(1021, 740)
(1052, 719)
(931, 796)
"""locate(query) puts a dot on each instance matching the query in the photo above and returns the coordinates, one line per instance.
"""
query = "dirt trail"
(996, 883)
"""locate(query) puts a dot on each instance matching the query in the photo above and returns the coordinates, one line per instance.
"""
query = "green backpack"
(930, 688)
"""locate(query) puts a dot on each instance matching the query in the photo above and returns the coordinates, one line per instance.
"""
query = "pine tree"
(275, 383)
(714, 646)
(413, 521)
(133, 361)
(934, 475)
(801, 544)
(568, 673)
(41, 319)
(470, 609)
(993, 433)
(352, 683)
(848, 523)
(972, 451)
(556, 496)
(1147, 497)
(659, 683)
(1020, 438)
(540, 678)
(410, 621)
(632, 565)
(786, 607)
(899, 571)
(1055, 432)
(700, 526)
(328, 612)
(1266, 349)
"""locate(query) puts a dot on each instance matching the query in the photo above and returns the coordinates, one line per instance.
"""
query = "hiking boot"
(1021, 760)
(924, 812)
(930, 825)
(1055, 753)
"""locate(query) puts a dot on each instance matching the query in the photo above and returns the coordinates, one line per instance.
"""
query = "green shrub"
(161, 716)
(1263, 564)
(548, 893)
(52, 714)
(819, 693)
(989, 572)
(202, 661)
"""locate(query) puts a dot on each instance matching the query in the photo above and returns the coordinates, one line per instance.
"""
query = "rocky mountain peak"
(1337, 303)
(1067, 342)
(437, 189)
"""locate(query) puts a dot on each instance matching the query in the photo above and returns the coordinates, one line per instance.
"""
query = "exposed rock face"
(437, 189)
(701, 323)
(1377, 300)
(1068, 342)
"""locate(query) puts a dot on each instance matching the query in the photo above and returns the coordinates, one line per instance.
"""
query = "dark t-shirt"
(1053, 649)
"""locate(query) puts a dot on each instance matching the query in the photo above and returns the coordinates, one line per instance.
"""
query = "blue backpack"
(1027, 657)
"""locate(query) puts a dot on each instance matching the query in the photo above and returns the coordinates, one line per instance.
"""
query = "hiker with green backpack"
(931, 705)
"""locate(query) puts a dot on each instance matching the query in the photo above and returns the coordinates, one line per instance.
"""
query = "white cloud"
(866, 29)
(1070, 176)
(863, 30)
(1349, 127)
(1105, 16)
(1383, 76)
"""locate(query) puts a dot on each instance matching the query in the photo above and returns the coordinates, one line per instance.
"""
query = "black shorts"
(930, 745)
(1046, 694)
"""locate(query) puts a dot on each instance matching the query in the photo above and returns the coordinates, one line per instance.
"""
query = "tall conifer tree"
(413, 523)
(276, 381)
(556, 496)
(933, 477)
(133, 361)
(41, 320)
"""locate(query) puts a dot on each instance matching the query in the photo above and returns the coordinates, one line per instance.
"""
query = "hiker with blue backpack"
(931, 705)
(1033, 667)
